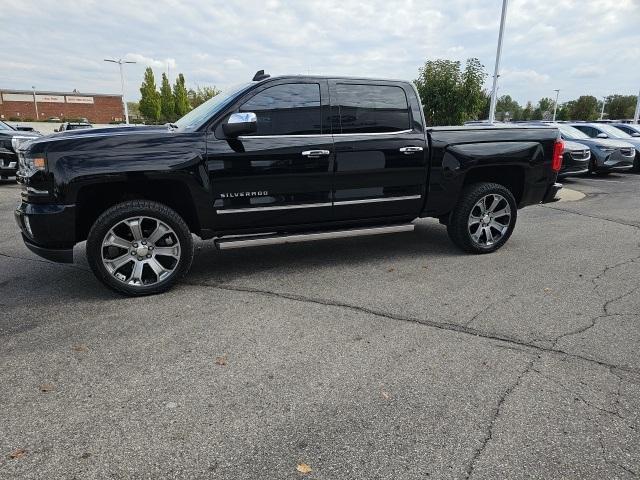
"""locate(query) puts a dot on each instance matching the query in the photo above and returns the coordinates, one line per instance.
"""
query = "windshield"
(613, 131)
(4, 126)
(571, 132)
(196, 117)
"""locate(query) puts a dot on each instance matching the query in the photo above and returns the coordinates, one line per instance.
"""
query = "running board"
(254, 241)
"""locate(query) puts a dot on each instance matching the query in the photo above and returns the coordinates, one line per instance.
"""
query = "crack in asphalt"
(607, 219)
(611, 462)
(487, 308)
(497, 411)
(446, 326)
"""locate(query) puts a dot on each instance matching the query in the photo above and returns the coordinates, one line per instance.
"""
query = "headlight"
(18, 140)
(30, 164)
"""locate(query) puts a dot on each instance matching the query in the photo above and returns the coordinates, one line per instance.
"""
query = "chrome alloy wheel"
(489, 219)
(141, 251)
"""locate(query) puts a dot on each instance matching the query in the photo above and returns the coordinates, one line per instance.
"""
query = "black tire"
(458, 226)
(148, 211)
(636, 163)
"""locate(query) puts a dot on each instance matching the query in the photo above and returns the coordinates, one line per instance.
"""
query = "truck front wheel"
(139, 247)
(483, 219)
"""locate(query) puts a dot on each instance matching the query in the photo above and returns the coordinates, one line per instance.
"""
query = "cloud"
(548, 43)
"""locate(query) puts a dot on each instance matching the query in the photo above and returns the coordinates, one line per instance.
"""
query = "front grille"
(581, 154)
(627, 152)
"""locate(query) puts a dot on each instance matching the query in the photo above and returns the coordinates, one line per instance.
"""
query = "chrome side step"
(254, 240)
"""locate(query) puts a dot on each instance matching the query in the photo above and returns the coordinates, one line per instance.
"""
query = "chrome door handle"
(410, 150)
(315, 153)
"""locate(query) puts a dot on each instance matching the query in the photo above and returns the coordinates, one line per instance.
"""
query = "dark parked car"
(73, 126)
(276, 160)
(9, 139)
(575, 159)
(607, 155)
(604, 130)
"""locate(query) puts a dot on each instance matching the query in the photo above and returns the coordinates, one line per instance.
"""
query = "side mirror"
(240, 124)
(635, 134)
(602, 135)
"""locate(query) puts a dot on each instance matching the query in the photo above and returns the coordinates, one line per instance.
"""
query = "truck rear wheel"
(483, 219)
(139, 247)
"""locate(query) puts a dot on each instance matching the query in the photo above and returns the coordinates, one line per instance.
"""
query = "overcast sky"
(579, 46)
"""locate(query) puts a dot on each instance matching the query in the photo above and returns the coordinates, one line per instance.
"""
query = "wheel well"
(93, 200)
(509, 176)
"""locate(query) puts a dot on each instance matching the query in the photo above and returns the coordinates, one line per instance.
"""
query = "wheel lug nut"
(144, 243)
(139, 258)
(151, 247)
(133, 253)
(135, 245)
(148, 256)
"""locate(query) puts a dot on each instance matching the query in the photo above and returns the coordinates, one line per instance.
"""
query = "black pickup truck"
(275, 160)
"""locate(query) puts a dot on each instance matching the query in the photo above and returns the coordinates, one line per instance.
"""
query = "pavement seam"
(566, 210)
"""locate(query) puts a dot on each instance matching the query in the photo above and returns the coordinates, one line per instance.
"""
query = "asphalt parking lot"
(389, 357)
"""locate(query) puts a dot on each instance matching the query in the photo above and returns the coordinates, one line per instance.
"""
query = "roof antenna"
(260, 75)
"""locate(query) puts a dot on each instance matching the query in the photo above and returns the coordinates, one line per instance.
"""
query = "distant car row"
(598, 148)
(12, 135)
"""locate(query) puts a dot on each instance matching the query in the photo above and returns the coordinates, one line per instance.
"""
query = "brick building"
(96, 107)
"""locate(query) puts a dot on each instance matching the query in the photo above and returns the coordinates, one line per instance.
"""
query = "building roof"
(51, 92)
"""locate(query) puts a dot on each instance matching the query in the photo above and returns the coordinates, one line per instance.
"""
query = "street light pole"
(555, 106)
(604, 99)
(35, 103)
(120, 62)
(494, 91)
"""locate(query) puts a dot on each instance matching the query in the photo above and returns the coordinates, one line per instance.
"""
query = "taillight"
(558, 149)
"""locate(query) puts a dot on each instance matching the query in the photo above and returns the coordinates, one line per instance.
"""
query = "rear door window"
(372, 108)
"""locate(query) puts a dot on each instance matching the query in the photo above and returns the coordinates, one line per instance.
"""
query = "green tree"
(180, 97)
(167, 103)
(621, 106)
(201, 94)
(544, 109)
(149, 97)
(527, 111)
(563, 112)
(507, 109)
(584, 107)
(449, 94)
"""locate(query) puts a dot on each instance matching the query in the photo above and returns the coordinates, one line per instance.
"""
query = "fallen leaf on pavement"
(80, 348)
(222, 361)
(391, 269)
(385, 395)
(303, 468)
(18, 453)
(46, 387)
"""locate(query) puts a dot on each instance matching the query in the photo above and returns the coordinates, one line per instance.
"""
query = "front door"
(282, 174)
(381, 153)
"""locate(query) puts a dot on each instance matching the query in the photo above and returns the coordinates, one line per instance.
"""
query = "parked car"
(605, 130)
(10, 138)
(632, 129)
(276, 160)
(575, 159)
(73, 126)
(607, 155)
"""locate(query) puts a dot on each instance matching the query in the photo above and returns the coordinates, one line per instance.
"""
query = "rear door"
(380, 148)
(282, 174)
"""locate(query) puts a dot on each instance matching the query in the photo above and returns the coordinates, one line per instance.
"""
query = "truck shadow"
(428, 240)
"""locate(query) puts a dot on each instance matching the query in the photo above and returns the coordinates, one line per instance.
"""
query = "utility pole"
(555, 106)
(604, 99)
(35, 103)
(494, 90)
(637, 114)
(120, 62)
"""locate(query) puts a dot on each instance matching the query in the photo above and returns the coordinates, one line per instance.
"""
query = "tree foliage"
(149, 97)
(167, 102)
(201, 94)
(620, 106)
(584, 107)
(508, 109)
(180, 97)
(449, 94)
